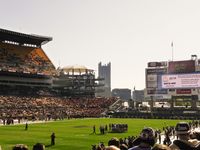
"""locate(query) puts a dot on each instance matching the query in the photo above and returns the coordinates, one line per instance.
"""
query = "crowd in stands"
(46, 108)
(24, 59)
(184, 136)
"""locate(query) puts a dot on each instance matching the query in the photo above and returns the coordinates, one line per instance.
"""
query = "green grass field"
(72, 134)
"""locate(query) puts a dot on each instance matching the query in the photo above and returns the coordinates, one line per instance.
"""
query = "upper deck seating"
(24, 59)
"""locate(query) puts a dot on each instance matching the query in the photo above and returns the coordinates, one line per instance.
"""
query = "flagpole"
(172, 45)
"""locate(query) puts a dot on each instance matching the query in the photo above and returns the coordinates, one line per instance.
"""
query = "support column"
(151, 103)
(194, 101)
(173, 99)
(132, 103)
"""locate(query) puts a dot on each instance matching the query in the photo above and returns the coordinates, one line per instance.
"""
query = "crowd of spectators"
(37, 146)
(46, 108)
(25, 59)
(183, 136)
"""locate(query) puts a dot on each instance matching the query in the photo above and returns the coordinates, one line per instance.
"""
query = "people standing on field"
(53, 138)
(94, 129)
(26, 126)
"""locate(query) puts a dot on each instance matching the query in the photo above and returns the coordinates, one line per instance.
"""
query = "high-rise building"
(124, 94)
(104, 72)
(138, 95)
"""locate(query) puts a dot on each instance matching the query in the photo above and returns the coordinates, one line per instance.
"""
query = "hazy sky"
(127, 33)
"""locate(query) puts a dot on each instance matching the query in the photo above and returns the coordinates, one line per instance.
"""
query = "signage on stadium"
(189, 112)
(157, 91)
(152, 77)
(180, 81)
(197, 68)
(157, 64)
(152, 84)
(187, 66)
(158, 97)
(183, 91)
(156, 71)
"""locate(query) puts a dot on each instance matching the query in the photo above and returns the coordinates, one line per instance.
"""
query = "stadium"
(33, 90)
(172, 91)
(28, 77)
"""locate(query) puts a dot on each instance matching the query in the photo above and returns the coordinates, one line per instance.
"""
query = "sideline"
(16, 122)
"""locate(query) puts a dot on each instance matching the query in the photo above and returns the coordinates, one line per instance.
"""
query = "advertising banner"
(157, 91)
(183, 91)
(152, 84)
(152, 77)
(187, 66)
(156, 71)
(180, 81)
(157, 64)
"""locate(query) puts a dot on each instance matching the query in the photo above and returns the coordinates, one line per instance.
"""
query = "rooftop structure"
(23, 39)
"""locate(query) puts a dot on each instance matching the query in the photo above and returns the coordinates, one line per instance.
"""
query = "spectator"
(114, 141)
(184, 142)
(38, 146)
(161, 147)
(20, 147)
(123, 147)
(112, 147)
(146, 140)
(101, 146)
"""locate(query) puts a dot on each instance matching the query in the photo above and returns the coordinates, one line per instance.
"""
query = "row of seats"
(52, 107)
(24, 59)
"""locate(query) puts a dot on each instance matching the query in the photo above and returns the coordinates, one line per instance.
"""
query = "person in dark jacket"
(53, 138)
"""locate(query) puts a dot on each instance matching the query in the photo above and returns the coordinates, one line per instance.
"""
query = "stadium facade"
(176, 82)
(26, 69)
(75, 81)
(172, 91)
(23, 63)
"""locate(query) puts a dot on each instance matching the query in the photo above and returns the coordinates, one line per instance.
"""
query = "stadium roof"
(76, 68)
(21, 38)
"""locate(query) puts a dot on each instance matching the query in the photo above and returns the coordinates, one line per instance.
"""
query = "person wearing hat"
(146, 140)
(161, 147)
(114, 141)
(184, 141)
(20, 147)
(112, 147)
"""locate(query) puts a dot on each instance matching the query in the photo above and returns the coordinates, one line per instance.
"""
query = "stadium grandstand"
(76, 81)
(32, 88)
(23, 63)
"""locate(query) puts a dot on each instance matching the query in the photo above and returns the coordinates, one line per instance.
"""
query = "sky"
(127, 33)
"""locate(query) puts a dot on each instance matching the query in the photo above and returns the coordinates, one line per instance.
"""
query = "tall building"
(104, 72)
(124, 94)
(138, 95)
